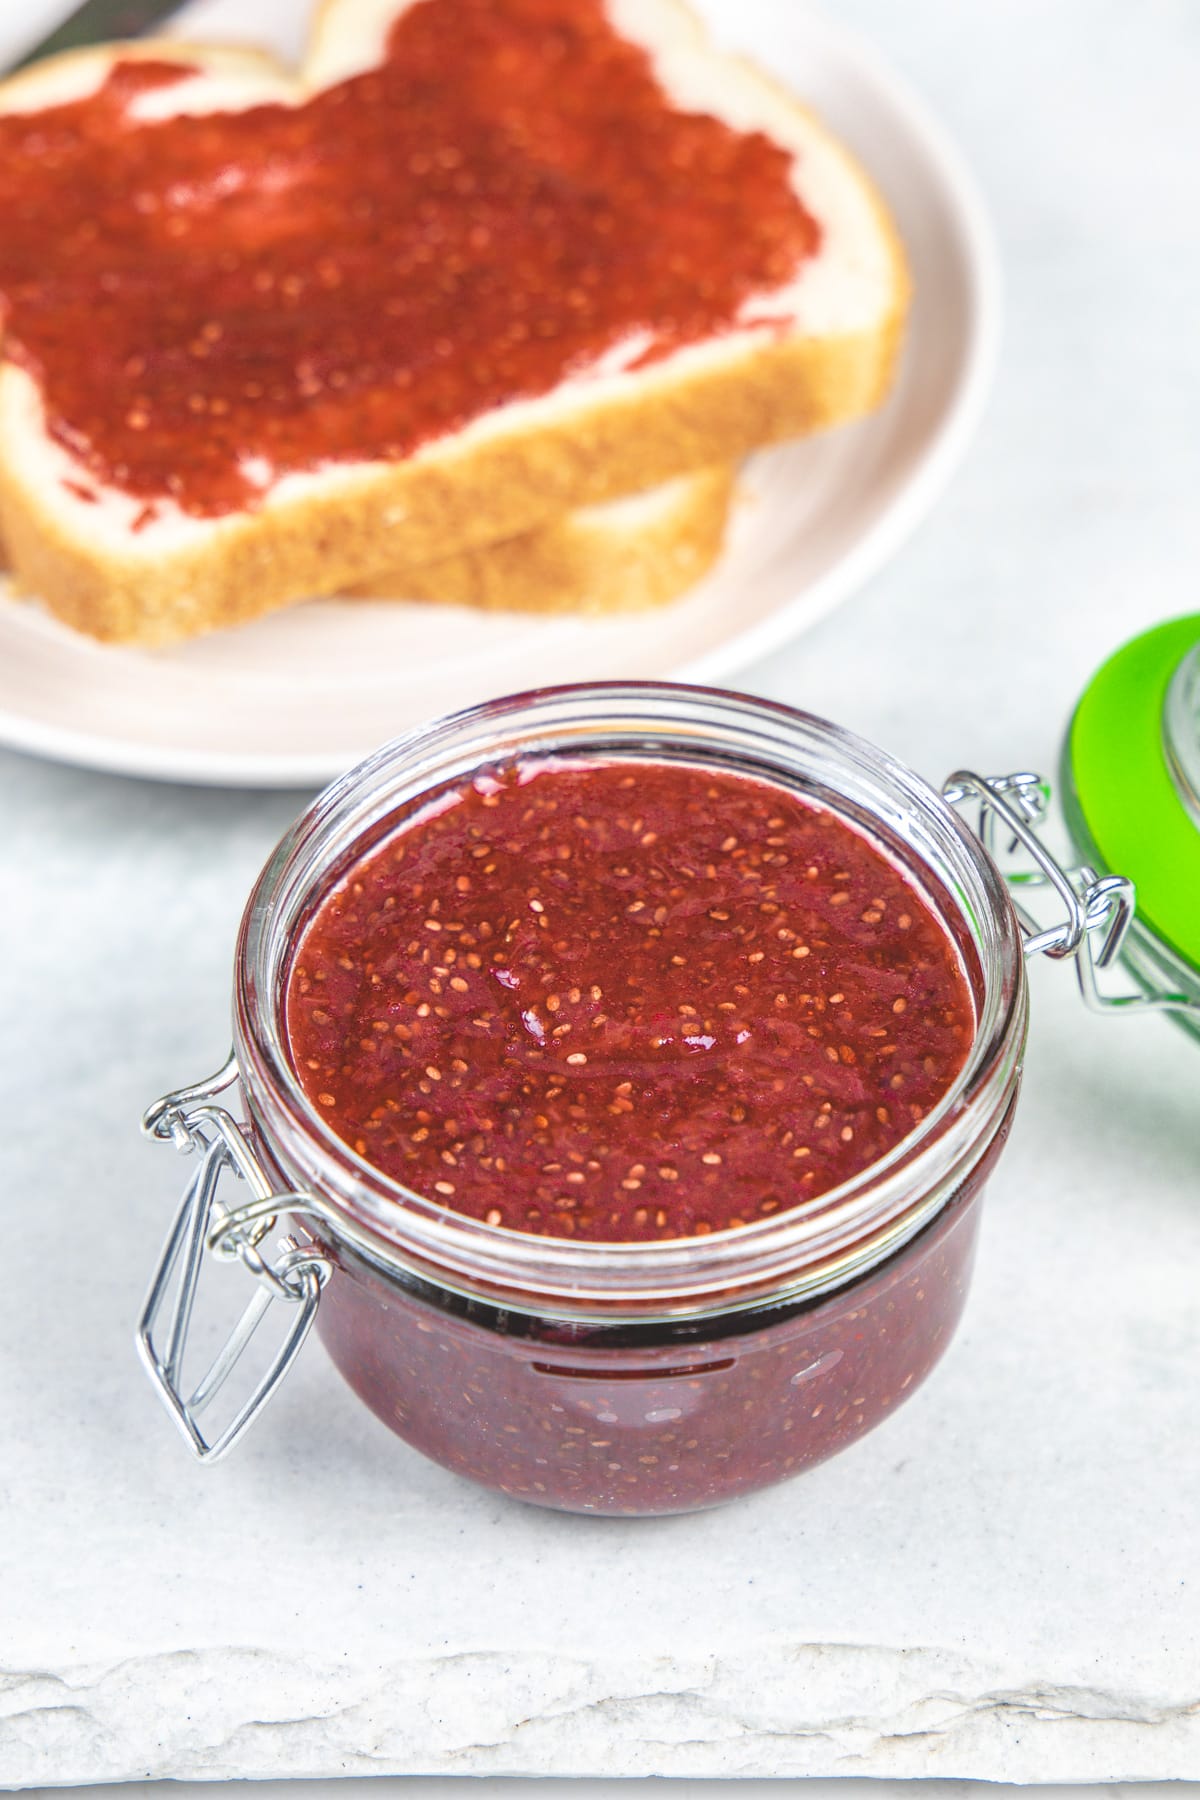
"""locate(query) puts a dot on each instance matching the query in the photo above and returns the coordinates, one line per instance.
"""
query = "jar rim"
(806, 1248)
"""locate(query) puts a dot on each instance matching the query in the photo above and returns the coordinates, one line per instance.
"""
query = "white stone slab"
(1003, 1581)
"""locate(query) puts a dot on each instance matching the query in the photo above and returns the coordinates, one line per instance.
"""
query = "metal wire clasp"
(191, 1121)
(1097, 910)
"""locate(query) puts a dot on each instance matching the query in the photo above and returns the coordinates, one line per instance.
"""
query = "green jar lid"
(1130, 792)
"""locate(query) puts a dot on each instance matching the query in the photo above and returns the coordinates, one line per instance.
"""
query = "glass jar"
(624, 1378)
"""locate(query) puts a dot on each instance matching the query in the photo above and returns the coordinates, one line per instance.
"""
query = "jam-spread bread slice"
(486, 261)
(618, 556)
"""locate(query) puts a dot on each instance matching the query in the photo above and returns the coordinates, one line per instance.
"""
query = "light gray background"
(1004, 1580)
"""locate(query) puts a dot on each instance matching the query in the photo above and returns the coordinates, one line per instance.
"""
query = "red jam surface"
(625, 1001)
(215, 301)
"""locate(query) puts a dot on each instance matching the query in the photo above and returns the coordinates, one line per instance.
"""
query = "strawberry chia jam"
(629, 1060)
(624, 1002)
(230, 296)
(632, 1002)
(615, 1421)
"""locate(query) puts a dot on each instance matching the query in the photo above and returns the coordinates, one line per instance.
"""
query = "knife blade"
(97, 22)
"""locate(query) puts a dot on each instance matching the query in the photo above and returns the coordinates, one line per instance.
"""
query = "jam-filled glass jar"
(604, 1377)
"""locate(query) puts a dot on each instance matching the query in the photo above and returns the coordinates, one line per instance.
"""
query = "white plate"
(295, 698)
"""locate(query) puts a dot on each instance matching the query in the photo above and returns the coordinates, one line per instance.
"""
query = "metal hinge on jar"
(1097, 910)
(205, 1224)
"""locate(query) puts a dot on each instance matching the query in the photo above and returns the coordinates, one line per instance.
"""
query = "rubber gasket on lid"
(1128, 800)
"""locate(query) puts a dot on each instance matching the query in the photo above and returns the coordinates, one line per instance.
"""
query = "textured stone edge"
(811, 1710)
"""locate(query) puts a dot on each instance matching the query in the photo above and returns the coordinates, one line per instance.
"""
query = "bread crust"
(251, 563)
(321, 533)
(592, 560)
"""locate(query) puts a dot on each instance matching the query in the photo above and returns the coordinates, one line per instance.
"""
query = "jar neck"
(810, 1248)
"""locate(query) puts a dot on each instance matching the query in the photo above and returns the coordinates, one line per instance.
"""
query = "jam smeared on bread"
(479, 264)
(211, 302)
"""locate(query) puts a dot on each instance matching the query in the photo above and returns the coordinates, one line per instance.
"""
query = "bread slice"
(618, 556)
(812, 346)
